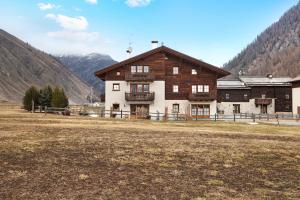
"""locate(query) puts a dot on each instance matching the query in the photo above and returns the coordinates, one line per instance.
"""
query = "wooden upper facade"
(158, 65)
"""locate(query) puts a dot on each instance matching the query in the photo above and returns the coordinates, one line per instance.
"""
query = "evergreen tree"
(46, 96)
(31, 95)
(59, 98)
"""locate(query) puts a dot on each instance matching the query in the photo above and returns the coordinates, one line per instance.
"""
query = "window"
(227, 96)
(200, 88)
(206, 88)
(175, 70)
(175, 108)
(194, 72)
(194, 89)
(139, 69)
(118, 73)
(116, 107)
(236, 108)
(146, 69)
(246, 96)
(200, 110)
(133, 69)
(263, 96)
(139, 88)
(287, 96)
(175, 88)
(116, 87)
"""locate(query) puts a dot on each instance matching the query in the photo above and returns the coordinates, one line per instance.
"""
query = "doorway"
(263, 109)
(139, 111)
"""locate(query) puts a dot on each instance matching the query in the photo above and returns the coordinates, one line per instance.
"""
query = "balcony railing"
(205, 96)
(263, 101)
(139, 77)
(145, 96)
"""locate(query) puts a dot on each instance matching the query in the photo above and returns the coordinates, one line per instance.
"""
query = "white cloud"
(137, 3)
(70, 23)
(47, 6)
(92, 1)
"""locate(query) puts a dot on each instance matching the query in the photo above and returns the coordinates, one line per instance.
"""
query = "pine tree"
(59, 98)
(46, 96)
(31, 95)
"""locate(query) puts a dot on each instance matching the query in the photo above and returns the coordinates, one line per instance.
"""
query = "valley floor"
(56, 157)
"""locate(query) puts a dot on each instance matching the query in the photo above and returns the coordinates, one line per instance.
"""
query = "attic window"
(175, 70)
(227, 96)
(194, 72)
(133, 69)
(287, 96)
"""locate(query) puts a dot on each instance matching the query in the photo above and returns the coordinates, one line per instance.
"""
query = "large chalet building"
(257, 95)
(162, 80)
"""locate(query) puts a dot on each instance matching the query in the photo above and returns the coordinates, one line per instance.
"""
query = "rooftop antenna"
(129, 49)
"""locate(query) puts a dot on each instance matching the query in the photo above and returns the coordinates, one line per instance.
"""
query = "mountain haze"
(86, 66)
(21, 66)
(275, 51)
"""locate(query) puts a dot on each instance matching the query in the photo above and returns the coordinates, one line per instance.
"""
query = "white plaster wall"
(256, 109)
(227, 107)
(158, 105)
(296, 100)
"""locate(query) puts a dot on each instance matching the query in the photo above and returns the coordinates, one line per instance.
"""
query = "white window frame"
(146, 69)
(194, 72)
(140, 69)
(175, 88)
(227, 96)
(133, 69)
(194, 89)
(175, 70)
(116, 87)
(177, 109)
(206, 88)
(200, 89)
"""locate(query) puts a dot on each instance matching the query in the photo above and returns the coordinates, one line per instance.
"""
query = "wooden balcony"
(145, 96)
(263, 101)
(201, 97)
(140, 77)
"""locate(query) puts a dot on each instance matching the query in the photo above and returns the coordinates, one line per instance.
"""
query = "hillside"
(276, 50)
(86, 66)
(21, 66)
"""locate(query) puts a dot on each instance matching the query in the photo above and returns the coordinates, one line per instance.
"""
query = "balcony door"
(139, 88)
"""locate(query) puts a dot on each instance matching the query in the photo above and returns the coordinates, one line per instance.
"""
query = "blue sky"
(212, 30)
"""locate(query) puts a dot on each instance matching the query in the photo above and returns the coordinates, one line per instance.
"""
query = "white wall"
(296, 100)
(227, 107)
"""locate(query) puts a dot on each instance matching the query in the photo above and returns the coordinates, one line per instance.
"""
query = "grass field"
(56, 157)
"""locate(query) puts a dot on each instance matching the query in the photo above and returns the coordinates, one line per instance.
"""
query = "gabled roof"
(219, 71)
(297, 79)
(265, 81)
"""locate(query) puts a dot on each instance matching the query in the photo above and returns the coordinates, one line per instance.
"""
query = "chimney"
(270, 76)
(154, 44)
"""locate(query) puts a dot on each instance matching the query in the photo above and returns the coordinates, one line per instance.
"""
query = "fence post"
(121, 113)
(253, 115)
(234, 117)
(215, 117)
(277, 117)
(45, 110)
(268, 117)
(32, 106)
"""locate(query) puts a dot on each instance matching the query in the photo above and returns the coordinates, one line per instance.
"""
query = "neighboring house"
(162, 80)
(258, 95)
(296, 95)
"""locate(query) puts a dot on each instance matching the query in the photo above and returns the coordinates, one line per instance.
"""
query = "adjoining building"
(296, 95)
(258, 95)
(162, 80)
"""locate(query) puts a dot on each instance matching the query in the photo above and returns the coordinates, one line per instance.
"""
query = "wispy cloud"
(47, 6)
(70, 23)
(92, 1)
(138, 3)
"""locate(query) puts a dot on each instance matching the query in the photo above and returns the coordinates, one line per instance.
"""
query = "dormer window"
(175, 70)
(194, 72)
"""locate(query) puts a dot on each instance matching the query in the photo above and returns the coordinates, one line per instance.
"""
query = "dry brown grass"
(55, 157)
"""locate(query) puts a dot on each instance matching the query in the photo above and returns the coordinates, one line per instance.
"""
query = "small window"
(175, 70)
(118, 73)
(194, 89)
(146, 88)
(175, 108)
(175, 88)
(116, 87)
(206, 88)
(133, 69)
(236, 108)
(116, 107)
(227, 96)
(139, 69)
(194, 72)
(200, 88)
(146, 69)
(246, 96)
(263, 96)
(287, 97)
